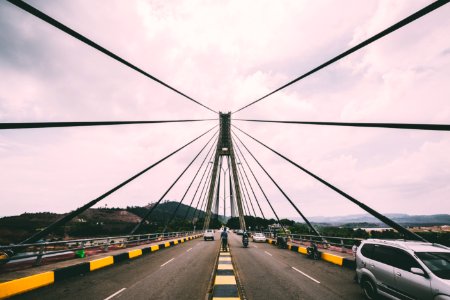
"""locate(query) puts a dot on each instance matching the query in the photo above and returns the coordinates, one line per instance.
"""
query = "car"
(209, 235)
(399, 269)
(240, 232)
(259, 237)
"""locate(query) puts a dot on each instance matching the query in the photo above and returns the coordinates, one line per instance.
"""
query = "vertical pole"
(233, 211)
(224, 194)
(219, 170)
(211, 191)
(237, 188)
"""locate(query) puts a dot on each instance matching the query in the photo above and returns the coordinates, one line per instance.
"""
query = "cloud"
(225, 55)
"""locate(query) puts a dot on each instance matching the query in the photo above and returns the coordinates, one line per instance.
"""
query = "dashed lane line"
(306, 275)
(188, 249)
(267, 253)
(167, 262)
(116, 293)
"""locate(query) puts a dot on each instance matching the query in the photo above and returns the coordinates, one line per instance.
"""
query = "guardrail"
(39, 251)
(336, 243)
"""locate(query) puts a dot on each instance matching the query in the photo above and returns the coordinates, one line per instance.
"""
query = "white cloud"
(225, 55)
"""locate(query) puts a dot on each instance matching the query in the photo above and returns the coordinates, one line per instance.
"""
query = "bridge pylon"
(224, 149)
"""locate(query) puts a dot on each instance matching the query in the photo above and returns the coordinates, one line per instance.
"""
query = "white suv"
(209, 234)
(400, 269)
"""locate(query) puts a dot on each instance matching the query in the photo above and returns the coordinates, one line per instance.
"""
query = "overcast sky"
(225, 54)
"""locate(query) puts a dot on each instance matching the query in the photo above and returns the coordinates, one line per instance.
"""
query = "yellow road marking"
(225, 280)
(224, 259)
(224, 267)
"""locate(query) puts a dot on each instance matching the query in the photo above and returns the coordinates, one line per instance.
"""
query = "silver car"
(399, 269)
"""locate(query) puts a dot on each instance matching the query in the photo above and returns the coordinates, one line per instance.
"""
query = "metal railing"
(39, 251)
(331, 242)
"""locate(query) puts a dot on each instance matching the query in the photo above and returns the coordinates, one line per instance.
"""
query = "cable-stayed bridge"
(134, 266)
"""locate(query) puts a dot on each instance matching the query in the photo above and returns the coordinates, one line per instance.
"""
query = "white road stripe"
(115, 294)
(306, 275)
(188, 249)
(167, 262)
(268, 253)
(255, 246)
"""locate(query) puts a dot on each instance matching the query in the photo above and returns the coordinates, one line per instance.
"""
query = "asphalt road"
(266, 272)
(180, 272)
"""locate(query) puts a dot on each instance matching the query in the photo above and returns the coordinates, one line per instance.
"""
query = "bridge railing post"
(106, 245)
(40, 255)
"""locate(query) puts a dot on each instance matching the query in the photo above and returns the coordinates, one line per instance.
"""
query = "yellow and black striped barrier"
(25, 284)
(225, 285)
(332, 258)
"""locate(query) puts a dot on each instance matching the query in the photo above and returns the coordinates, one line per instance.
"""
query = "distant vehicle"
(399, 269)
(209, 235)
(240, 232)
(259, 237)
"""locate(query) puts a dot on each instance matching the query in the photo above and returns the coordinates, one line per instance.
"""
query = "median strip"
(225, 286)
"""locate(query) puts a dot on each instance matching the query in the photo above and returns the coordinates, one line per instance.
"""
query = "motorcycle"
(245, 242)
(282, 242)
(312, 252)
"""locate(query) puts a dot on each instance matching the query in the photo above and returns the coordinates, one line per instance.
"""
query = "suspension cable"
(251, 187)
(37, 13)
(246, 190)
(170, 187)
(374, 213)
(279, 188)
(260, 187)
(244, 198)
(420, 13)
(437, 127)
(202, 195)
(78, 211)
(198, 186)
(77, 124)
(188, 188)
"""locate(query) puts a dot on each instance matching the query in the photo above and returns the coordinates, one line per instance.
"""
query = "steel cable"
(368, 209)
(420, 13)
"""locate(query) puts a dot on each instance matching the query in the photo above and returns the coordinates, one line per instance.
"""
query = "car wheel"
(369, 289)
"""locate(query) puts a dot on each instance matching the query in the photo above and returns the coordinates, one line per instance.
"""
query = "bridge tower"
(224, 149)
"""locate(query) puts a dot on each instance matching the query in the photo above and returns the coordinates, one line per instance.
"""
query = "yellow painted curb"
(175, 242)
(225, 280)
(101, 263)
(135, 253)
(337, 260)
(302, 250)
(22, 285)
(154, 248)
(225, 267)
(182, 240)
(224, 259)
(226, 298)
(167, 244)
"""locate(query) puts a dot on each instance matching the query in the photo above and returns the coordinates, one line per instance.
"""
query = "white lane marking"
(255, 246)
(268, 253)
(188, 249)
(115, 294)
(167, 262)
(306, 275)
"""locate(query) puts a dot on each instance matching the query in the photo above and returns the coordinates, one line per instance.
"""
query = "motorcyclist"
(245, 237)
(224, 237)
